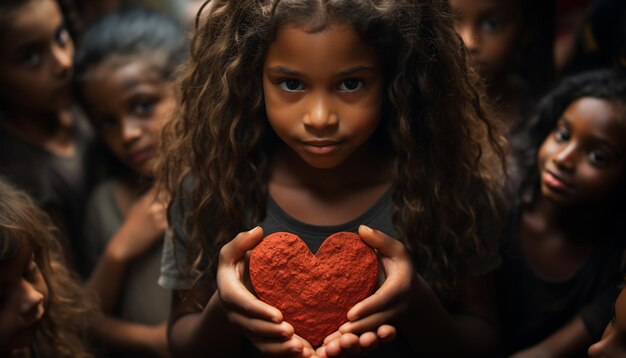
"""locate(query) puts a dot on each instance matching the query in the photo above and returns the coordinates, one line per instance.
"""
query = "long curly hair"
(70, 311)
(607, 84)
(448, 156)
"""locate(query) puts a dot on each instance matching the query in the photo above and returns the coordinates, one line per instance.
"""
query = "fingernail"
(251, 230)
(367, 228)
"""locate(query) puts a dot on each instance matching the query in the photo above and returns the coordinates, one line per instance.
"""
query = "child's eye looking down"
(350, 85)
(291, 85)
(561, 135)
(144, 107)
(31, 58)
(492, 25)
(598, 158)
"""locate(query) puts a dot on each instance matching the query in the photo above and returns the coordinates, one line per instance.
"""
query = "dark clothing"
(532, 308)
(58, 184)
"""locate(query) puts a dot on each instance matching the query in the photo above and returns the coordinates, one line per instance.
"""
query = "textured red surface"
(314, 292)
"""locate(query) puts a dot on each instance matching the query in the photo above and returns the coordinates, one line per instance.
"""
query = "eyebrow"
(346, 72)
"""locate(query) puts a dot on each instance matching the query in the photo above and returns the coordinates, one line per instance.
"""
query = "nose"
(32, 300)
(62, 59)
(565, 158)
(320, 114)
(131, 130)
(597, 350)
(470, 37)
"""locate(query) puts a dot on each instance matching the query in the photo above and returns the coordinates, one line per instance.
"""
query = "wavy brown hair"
(448, 157)
(70, 311)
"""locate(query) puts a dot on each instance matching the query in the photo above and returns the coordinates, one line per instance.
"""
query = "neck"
(52, 131)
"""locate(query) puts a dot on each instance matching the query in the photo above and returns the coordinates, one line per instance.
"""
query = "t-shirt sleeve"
(175, 274)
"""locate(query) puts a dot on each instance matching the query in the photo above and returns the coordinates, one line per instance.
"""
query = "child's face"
(323, 92)
(23, 297)
(582, 160)
(613, 343)
(36, 58)
(129, 103)
(490, 30)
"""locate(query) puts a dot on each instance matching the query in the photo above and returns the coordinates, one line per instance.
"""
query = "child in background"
(124, 71)
(43, 310)
(613, 342)
(46, 145)
(566, 232)
(316, 117)
(510, 44)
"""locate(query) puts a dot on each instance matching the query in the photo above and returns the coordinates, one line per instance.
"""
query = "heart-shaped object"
(314, 292)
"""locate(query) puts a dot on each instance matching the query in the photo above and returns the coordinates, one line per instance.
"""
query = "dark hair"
(132, 34)
(70, 310)
(68, 10)
(608, 84)
(433, 122)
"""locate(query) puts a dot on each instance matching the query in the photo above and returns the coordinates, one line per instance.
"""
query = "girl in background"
(566, 234)
(46, 145)
(315, 117)
(43, 310)
(124, 71)
(510, 44)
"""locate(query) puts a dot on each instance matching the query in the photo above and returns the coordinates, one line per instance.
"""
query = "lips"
(141, 155)
(321, 146)
(556, 181)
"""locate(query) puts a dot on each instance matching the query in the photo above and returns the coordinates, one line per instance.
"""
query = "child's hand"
(143, 227)
(369, 319)
(261, 323)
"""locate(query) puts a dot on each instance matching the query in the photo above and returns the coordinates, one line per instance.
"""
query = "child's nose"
(62, 59)
(130, 130)
(320, 114)
(598, 349)
(565, 158)
(32, 300)
(469, 36)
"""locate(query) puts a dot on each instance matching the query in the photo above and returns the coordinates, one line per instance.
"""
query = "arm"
(132, 337)
(570, 340)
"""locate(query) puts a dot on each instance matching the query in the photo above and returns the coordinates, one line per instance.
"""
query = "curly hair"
(607, 84)
(70, 311)
(448, 156)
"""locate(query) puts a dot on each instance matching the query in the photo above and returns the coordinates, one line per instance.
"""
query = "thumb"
(383, 243)
(243, 242)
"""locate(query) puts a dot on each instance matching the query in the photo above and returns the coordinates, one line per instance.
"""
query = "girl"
(124, 72)
(45, 144)
(566, 236)
(43, 311)
(510, 45)
(316, 117)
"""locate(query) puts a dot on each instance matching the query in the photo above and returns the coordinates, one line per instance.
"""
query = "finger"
(261, 327)
(350, 344)
(244, 241)
(332, 336)
(271, 347)
(368, 341)
(383, 243)
(386, 333)
(236, 296)
(333, 348)
(369, 323)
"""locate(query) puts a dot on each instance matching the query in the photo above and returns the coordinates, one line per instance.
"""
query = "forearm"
(569, 341)
(107, 278)
(433, 331)
(123, 336)
(208, 332)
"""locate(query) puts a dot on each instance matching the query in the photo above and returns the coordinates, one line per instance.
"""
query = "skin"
(490, 30)
(23, 297)
(129, 102)
(581, 163)
(613, 342)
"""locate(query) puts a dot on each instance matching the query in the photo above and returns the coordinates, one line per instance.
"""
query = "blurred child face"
(23, 296)
(129, 103)
(36, 57)
(582, 160)
(323, 92)
(490, 30)
(613, 342)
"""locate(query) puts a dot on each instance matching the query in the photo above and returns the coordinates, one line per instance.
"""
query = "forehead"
(479, 6)
(34, 20)
(598, 117)
(332, 48)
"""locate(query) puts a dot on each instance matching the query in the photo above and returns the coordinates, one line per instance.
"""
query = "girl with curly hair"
(43, 310)
(47, 146)
(315, 117)
(566, 236)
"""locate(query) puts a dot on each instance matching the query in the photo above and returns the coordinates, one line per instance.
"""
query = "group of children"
(492, 193)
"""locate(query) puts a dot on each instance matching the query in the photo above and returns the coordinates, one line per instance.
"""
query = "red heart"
(314, 292)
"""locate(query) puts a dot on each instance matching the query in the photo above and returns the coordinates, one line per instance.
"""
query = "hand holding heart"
(261, 323)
